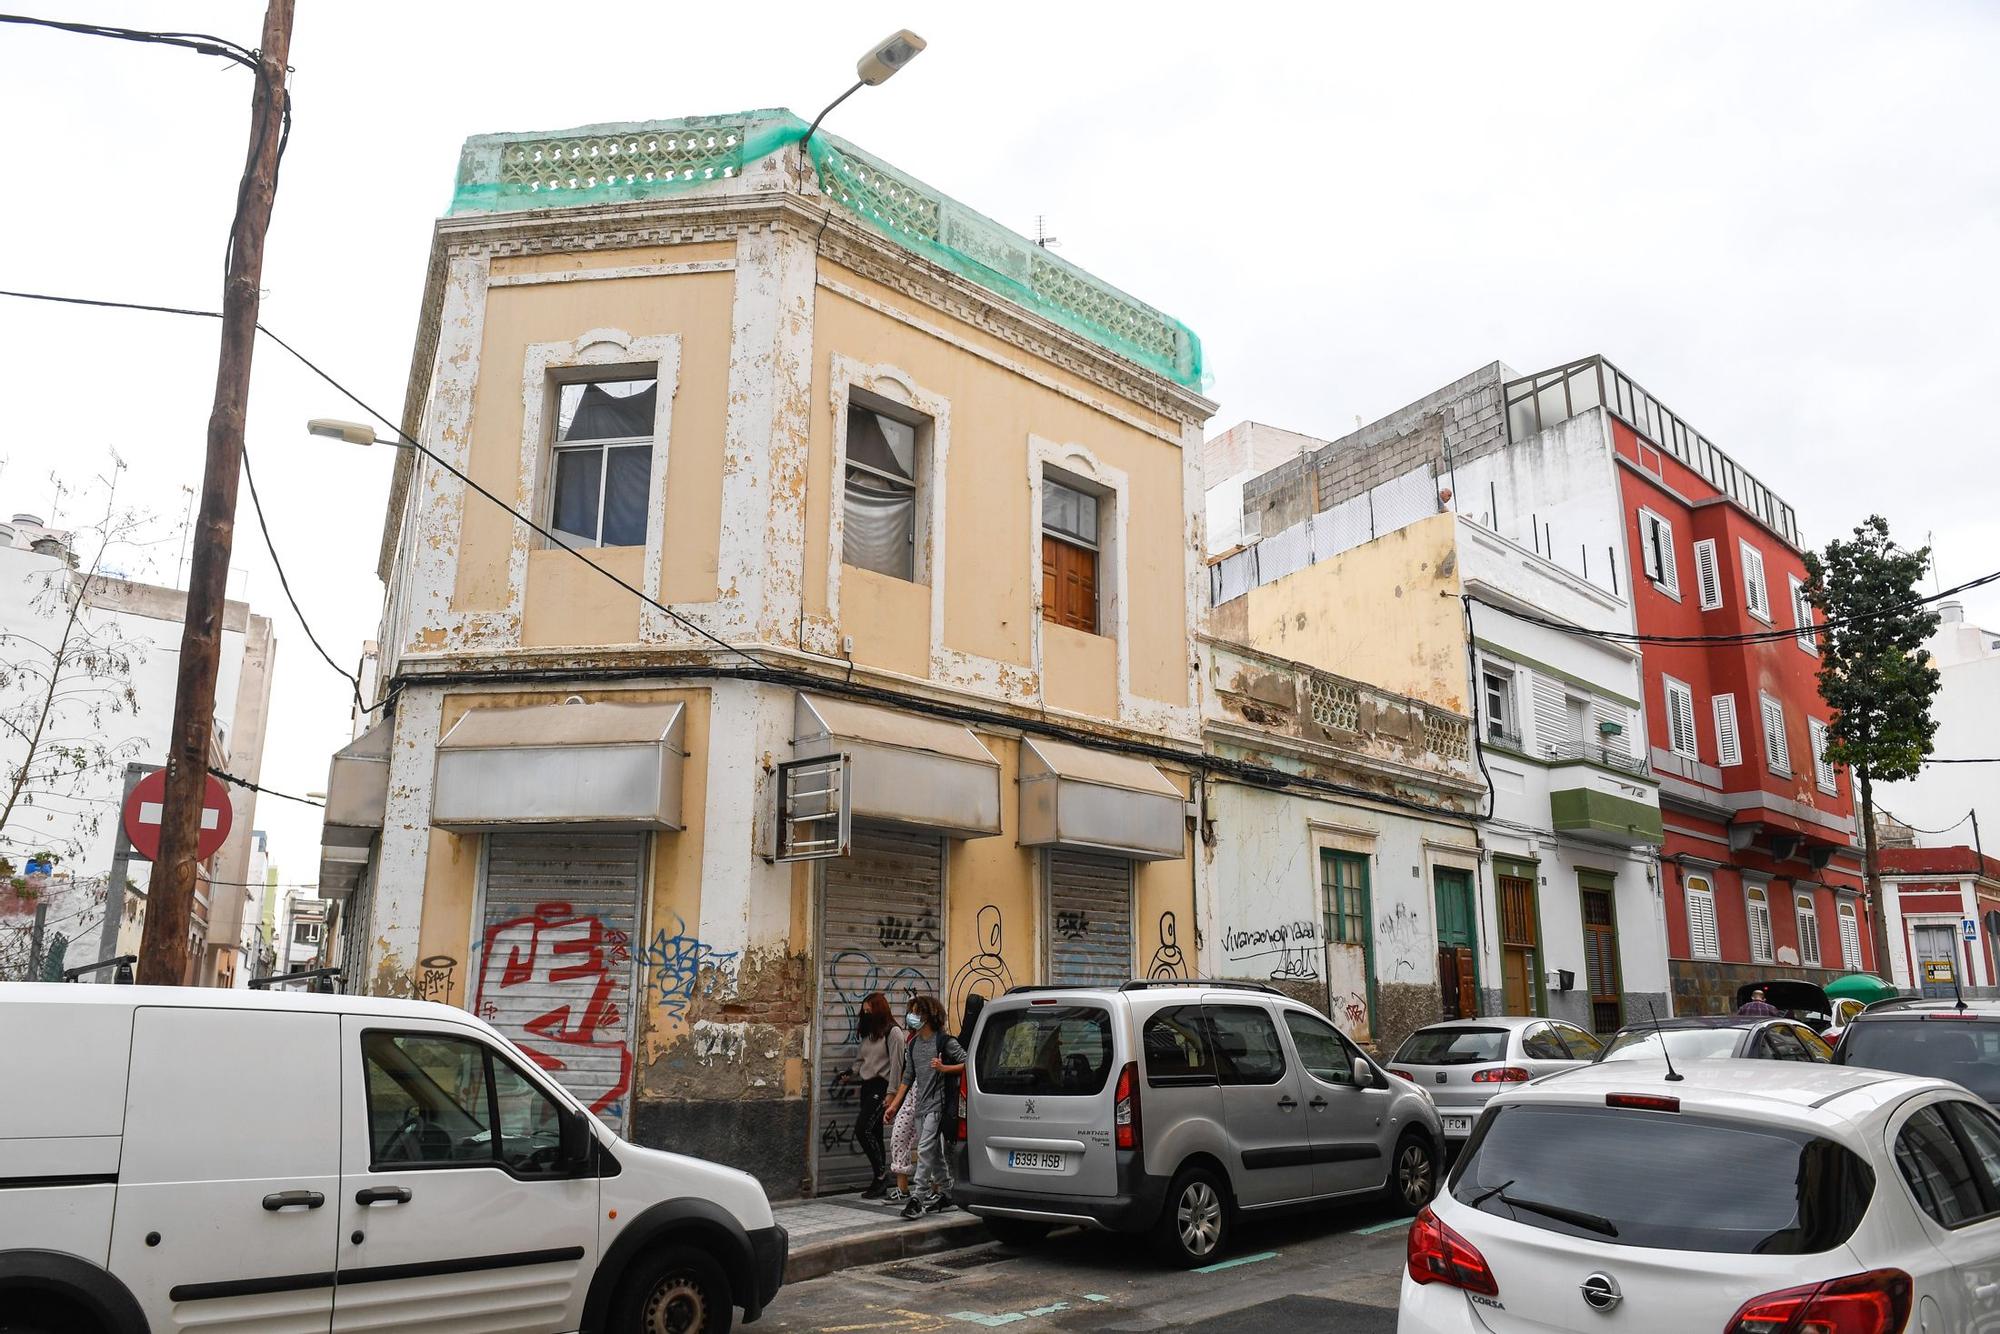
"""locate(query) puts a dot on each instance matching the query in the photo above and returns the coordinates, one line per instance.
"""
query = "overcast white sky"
(1780, 218)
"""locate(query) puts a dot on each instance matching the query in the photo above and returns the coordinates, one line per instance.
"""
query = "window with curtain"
(1069, 556)
(603, 465)
(879, 530)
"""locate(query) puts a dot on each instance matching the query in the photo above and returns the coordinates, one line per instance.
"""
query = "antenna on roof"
(1042, 237)
(1673, 1076)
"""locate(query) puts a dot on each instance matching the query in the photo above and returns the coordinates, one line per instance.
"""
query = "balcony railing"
(1600, 753)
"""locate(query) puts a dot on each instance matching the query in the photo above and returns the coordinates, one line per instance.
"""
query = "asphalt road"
(1333, 1269)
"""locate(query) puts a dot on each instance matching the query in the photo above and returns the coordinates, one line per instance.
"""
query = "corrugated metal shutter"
(881, 929)
(1090, 922)
(555, 970)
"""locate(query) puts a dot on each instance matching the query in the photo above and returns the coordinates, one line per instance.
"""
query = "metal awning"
(357, 799)
(1093, 801)
(905, 770)
(561, 766)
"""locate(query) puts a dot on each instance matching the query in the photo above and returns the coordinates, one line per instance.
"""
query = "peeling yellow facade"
(706, 1003)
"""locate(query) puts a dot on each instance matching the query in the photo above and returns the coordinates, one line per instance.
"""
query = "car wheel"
(1194, 1225)
(1413, 1176)
(676, 1290)
(1017, 1232)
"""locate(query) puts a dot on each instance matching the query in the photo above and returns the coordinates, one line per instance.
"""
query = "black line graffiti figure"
(1168, 960)
(985, 973)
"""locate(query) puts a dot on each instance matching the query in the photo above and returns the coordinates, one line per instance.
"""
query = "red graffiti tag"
(550, 981)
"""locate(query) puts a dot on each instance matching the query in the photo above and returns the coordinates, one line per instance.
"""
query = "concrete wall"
(1386, 612)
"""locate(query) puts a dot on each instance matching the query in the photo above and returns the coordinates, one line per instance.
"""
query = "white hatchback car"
(1463, 1063)
(1748, 1197)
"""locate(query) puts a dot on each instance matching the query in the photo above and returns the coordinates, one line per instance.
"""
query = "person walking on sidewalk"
(878, 1067)
(930, 1079)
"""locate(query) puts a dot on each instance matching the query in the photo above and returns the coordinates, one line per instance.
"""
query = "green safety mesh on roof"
(603, 164)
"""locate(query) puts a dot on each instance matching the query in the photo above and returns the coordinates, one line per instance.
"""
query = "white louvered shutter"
(1703, 939)
(1728, 745)
(1708, 574)
(1777, 751)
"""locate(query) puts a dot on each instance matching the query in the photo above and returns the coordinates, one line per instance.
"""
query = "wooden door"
(1600, 961)
(1458, 968)
(1520, 942)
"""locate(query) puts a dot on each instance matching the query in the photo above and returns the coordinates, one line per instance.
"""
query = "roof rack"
(1147, 983)
(325, 980)
(123, 963)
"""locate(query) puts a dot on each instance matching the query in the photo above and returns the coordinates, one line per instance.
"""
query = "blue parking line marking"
(1239, 1260)
(1372, 1229)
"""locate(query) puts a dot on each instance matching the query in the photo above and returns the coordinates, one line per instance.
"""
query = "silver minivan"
(1173, 1107)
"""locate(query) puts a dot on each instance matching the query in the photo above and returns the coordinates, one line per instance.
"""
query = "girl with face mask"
(878, 1067)
(930, 1082)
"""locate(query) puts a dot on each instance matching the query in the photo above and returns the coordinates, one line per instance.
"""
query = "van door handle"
(382, 1195)
(293, 1199)
(1288, 1102)
(1317, 1104)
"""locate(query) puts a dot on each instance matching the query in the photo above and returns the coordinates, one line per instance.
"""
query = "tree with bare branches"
(66, 698)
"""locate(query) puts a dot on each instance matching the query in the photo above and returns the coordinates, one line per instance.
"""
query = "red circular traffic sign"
(141, 816)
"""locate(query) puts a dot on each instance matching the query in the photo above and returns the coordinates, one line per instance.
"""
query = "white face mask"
(914, 1020)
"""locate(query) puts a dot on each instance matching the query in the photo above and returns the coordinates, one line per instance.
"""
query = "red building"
(1930, 894)
(1762, 875)
(1760, 869)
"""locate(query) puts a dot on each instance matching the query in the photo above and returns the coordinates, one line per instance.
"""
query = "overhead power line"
(1775, 635)
(228, 777)
(206, 43)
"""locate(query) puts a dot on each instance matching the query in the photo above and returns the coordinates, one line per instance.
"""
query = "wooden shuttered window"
(1069, 584)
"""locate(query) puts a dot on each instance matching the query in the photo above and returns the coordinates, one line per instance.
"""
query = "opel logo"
(1600, 1292)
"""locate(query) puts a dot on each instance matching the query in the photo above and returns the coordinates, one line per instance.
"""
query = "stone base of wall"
(1702, 987)
(1401, 1008)
(765, 1137)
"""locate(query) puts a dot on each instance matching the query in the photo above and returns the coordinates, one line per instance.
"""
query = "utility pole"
(164, 949)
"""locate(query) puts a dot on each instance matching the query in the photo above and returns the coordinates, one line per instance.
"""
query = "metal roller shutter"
(881, 909)
(555, 970)
(1090, 923)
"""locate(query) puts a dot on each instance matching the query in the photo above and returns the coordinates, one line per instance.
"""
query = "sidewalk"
(842, 1231)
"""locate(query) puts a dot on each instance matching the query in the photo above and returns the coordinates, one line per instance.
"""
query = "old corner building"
(917, 493)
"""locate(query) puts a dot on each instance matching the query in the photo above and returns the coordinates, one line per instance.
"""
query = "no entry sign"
(142, 816)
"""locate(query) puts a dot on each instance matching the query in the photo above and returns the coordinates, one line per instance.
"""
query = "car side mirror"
(576, 1141)
(1364, 1074)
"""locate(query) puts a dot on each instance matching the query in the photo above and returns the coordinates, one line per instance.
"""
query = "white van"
(178, 1159)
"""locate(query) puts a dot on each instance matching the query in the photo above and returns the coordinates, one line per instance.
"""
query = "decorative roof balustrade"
(608, 164)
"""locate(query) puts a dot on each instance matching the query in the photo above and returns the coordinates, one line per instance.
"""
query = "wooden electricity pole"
(164, 953)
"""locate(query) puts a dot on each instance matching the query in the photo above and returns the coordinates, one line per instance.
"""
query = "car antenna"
(1673, 1076)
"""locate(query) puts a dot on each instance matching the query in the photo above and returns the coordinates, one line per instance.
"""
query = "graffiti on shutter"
(555, 970)
(1090, 927)
(881, 929)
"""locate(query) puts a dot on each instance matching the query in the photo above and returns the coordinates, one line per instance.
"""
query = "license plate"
(1458, 1125)
(1036, 1159)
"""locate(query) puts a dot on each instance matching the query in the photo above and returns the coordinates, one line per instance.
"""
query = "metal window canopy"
(357, 799)
(1090, 801)
(919, 772)
(575, 766)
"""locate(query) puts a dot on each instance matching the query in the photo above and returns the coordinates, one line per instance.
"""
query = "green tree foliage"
(1874, 672)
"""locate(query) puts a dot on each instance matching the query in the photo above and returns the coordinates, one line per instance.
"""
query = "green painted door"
(1458, 944)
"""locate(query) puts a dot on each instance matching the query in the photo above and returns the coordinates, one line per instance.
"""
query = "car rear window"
(1453, 1046)
(1965, 1051)
(1628, 1178)
(1048, 1050)
(1683, 1044)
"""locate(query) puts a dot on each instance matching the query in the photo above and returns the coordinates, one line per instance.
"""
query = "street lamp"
(877, 67)
(354, 433)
